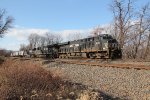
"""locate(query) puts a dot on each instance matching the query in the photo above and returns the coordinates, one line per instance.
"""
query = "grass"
(26, 80)
(1, 60)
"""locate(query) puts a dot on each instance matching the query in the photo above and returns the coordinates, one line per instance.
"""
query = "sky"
(58, 16)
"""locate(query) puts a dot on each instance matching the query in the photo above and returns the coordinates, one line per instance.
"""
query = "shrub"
(1, 60)
(22, 79)
(26, 80)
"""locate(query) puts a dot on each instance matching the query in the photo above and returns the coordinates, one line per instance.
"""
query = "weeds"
(21, 79)
(1, 60)
(25, 80)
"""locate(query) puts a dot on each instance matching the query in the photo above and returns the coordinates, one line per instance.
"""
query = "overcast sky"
(59, 16)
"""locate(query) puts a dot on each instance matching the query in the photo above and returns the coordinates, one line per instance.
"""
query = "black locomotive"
(101, 46)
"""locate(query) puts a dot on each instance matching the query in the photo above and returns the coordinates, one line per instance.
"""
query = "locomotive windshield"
(113, 41)
(107, 37)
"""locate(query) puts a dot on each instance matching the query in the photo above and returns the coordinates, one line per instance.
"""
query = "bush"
(1, 60)
(20, 79)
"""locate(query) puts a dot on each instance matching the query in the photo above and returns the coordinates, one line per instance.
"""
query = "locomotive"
(103, 46)
(19, 54)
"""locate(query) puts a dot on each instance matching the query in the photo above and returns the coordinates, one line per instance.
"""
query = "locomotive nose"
(113, 44)
(105, 46)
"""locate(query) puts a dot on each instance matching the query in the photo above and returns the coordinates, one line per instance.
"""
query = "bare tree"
(74, 36)
(97, 31)
(136, 41)
(42, 41)
(141, 29)
(5, 22)
(23, 47)
(49, 38)
(58, 38)
(36, 40)
(122, 12)
(147, 49)
(33, 40)
(52, 38)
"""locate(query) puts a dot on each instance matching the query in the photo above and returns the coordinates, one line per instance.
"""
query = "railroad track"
(95, 63)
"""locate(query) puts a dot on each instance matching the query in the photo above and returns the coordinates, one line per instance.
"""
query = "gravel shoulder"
(130, 84)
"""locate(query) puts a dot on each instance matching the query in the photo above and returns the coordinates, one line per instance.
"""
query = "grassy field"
(23, 79)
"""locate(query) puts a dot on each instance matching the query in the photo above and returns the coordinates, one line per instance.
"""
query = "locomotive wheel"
(87, 55)
(92, 55)
(119, 54)
(60, 56)
(116, 54)
(66, 56)
(112, 55)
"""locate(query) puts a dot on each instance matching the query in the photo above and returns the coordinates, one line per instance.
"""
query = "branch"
(6, 26)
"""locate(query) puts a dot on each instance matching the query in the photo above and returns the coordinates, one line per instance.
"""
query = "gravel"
(130, 84)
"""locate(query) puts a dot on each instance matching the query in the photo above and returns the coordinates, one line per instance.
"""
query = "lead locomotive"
(101, 46)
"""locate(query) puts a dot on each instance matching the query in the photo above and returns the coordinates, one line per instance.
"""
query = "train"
(103, 46)
(19, 54)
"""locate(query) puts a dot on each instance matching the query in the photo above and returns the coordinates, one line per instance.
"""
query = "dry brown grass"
(1, 60)
(26, 80)
(19, 78)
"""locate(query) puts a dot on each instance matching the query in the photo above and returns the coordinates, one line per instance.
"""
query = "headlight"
(114, 45)
(97, 42)
(104, 48)
(105, 45)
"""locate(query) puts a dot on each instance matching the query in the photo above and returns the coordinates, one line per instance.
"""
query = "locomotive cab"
(105, 42)
(114, 49)
(101, 46)
(110, 47)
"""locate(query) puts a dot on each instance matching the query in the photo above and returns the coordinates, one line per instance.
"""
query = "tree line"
(36, 40)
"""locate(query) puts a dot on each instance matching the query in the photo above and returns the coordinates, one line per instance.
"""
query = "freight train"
(19, 54)
(103, 46)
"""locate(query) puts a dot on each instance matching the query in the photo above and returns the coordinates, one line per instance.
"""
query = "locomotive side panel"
(103, 46)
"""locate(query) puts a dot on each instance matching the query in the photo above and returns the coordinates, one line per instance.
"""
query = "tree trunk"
(147, 47)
